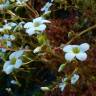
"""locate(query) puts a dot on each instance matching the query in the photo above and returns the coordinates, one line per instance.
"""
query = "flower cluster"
(4, 4)
(31, 42)
(64, 82)
(6, 41)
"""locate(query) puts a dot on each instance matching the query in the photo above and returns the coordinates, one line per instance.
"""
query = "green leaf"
(61, 68)
(41, 39)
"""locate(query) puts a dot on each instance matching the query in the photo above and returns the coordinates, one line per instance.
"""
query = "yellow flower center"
(13, 61)
(36, 24)
(76, 50)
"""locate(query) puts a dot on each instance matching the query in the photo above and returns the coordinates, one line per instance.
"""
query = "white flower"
(8, 37)
(4, 4)
(63, 84)
(46, 7)
(5, 36)
(8, 89)
(30, 29)
(14, 62)
(36, 26)
(74, 78)
(8, 43)
(3, 50)
(77, 51)
(8, 26)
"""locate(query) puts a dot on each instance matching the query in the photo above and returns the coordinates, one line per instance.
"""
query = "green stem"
(81, 33)
(27, 57)
(32, 10)
(27, 62)
(16, 80)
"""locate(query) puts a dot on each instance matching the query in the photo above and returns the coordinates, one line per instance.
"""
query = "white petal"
(3, 49)
(12, 37)
(46, 21)
(62, 86)
(12, 24)
(81, 56)
(30, 31)
(9, 44)
(7, 27)
(84, 47)
(1, 29)
(67, 48)
(5, 36)
(4, 5)
(74, 78)
(18, 63)
(65, 79)
(69, 56)
(6, 64)
(19, 53)
(16, 54)
(28, 25)
(43, 9)
(8, 68)
(46, 7)
(75, 46)
(39, 19)
(42, 27)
